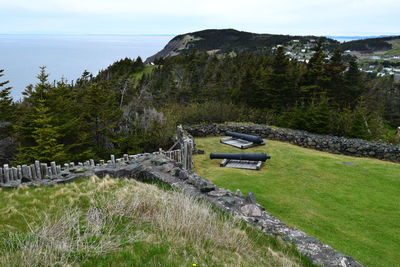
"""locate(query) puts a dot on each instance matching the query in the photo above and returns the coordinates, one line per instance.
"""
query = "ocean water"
(68, 55)
(352, 38)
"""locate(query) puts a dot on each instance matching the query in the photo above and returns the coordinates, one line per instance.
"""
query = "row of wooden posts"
(44, 171)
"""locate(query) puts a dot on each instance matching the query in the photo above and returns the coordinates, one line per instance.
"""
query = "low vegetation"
(349, 203)
(120, 222)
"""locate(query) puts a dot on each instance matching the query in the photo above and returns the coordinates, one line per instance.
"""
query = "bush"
(207, 112)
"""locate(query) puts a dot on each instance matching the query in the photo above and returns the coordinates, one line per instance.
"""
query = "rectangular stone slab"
(241, 164)
(239, 143)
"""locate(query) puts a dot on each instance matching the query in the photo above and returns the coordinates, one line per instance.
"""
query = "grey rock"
(227, 200)
(175, 172)
(159, 161)
(251, 210)
(218, 193)
(250, 198)
(239, 193)
(183, 175)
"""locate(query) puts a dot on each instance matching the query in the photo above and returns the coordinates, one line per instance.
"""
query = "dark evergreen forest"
(126, 109)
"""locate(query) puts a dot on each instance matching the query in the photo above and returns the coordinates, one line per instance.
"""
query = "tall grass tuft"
(123, 213)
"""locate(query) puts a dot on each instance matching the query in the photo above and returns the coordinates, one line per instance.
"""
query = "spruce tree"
(102, 113)
(360, 129)
(320, 120)
(314, 79)
(353, 82)
(46, 136)
(6, 101)
(7, 119)
(334, 73)
(280, 92)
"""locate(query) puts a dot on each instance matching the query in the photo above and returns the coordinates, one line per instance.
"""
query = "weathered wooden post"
(19, 172)
(37, 167)
(92, 163)
(11, 174)
(53, 167)
(1, 175)
(33, 171)
(126, 157)
(6, 173)
(58, 169)
(102, 162)
(113, 159)
(184, 157)
(24, 171)
(15, 173)
(44, 170)
(29, 172)
(71, 164)
(190, 153)
(49, 171)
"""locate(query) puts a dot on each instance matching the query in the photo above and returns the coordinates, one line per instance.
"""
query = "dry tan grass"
(146, 213)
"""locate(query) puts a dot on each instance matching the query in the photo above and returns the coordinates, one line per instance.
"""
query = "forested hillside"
(323, 96)
(232, 41)
(131, 107)
(370, 44)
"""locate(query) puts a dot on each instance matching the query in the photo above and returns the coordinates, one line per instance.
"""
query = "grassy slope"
(112, 222)
(352, 204)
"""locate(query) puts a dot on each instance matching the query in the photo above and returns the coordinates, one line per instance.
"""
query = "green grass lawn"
(352, 204)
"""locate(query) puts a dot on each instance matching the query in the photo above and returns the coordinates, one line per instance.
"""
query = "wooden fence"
(40, 170)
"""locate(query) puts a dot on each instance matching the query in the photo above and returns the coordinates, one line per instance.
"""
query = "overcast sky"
(318, 17)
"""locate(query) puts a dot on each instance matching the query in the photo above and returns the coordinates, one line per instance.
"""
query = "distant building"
(375, 57)
(396, 56)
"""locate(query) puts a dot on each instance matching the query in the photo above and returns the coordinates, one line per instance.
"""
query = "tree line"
(89, 118)
(131, 108)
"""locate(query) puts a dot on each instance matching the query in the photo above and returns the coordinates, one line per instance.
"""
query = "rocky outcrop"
(328, 143)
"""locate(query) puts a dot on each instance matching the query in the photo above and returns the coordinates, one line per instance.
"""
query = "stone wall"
(328, 143)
